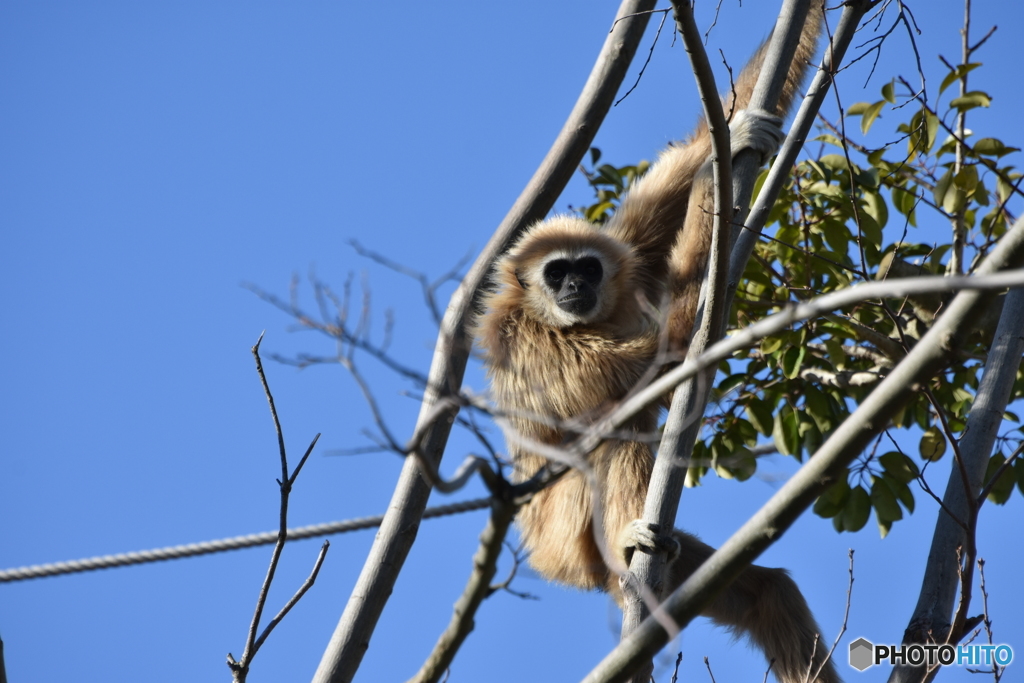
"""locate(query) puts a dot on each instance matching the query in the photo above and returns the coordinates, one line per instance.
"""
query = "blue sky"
(154, 156)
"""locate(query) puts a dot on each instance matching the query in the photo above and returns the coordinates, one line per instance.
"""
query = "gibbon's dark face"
(574, 283)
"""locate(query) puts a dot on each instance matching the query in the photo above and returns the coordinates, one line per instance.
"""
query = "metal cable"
(193, 549)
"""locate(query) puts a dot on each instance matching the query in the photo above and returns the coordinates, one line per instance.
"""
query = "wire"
(207, 547)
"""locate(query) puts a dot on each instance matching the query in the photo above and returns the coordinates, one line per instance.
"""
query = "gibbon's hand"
(758, 130)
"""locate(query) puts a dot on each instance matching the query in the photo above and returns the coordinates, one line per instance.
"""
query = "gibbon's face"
(565, 272)
(571, 286)
(574, 284)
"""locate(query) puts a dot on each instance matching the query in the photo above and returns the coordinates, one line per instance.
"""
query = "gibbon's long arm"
(654, 210)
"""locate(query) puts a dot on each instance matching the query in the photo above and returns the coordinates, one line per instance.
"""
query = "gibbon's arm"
(750, 129)
(653, 212)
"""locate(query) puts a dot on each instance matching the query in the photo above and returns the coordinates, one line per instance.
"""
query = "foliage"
(851, 214)
(609, 183)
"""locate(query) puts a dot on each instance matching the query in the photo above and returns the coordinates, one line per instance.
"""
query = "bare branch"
(428, 286)
(240, 668)
(478, 588)
(306, 585)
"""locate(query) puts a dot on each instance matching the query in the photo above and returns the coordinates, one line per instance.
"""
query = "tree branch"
(648, 569)
(240, 668)
(391, 546)
(931, 616)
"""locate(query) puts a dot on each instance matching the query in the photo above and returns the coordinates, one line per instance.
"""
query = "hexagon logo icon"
(860, 654)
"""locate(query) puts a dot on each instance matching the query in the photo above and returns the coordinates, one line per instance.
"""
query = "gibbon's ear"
(520, 280)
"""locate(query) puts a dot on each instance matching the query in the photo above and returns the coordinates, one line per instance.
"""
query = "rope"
(207, 547)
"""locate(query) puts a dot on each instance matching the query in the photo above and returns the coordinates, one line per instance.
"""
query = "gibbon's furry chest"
(570, 373)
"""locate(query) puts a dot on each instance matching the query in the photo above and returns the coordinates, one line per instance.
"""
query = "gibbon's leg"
(625, 478)
(766, 605)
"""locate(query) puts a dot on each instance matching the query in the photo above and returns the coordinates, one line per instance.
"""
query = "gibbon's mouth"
(578, 303)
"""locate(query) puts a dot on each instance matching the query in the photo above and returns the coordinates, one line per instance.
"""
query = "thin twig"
(240, 668)
(306, 585)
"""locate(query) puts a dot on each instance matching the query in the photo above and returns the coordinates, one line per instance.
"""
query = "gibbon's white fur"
(568, 330)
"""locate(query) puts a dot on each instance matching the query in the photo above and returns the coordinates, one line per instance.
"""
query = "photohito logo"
(864, 653)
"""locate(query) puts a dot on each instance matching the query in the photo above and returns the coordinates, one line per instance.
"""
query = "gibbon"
(570, 326)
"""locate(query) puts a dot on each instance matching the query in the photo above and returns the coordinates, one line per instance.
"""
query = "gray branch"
(648, 569)
(690, 399)
(931, 617)
(351, 637)
(846, 443)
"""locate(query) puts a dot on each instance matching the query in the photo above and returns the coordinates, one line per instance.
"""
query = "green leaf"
(830, 503)
(905, 202)
(835, 162)
(825, 174)
(695, 472)
(901, 490)
(931, 122)
(955, 75)
(889, 91)
(731, 382)
(967, 178)
(759, 413)
(883, 526)
(954, 200)
(876, 208)
(884, 501)
(858, 108)
(932, 445)
(611, 175)
(856, 509)
(739, 465)
(1003, 188)
(819, 409)
(810, 436)
(1003, 486)
(899, 467)
(786, 431)
(993, 148)
(836, 353)
(1018, 469)
(770, 345)
(870, 114)
(942, 187)
(975, 98)
(595, 154)
(792, 361)
(830, 139)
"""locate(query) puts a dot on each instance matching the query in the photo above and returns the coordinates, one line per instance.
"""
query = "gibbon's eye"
(590, 268)
(554, 272)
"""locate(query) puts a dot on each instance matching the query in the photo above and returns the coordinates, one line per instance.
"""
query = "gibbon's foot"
(758, 130)
(648, 538)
